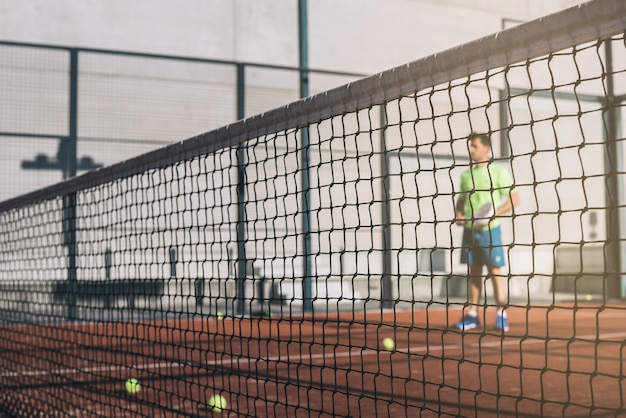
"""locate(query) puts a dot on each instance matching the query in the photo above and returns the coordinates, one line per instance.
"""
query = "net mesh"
(308, 261)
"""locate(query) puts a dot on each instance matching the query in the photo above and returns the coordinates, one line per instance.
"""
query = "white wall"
(371, 35)
(187, 27)
(358, 35)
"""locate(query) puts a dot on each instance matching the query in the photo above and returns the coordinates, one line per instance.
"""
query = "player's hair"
(484, 138)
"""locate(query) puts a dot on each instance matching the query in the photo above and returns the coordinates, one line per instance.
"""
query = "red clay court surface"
(555, 361)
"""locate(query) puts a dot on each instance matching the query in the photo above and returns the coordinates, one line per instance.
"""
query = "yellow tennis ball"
(217, 403)
(588, 297)
(220, 316)
(389, 344)
(132, 386)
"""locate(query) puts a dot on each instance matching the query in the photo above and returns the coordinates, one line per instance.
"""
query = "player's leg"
(499, 291)
(472, 258)
(499, 286)
(475, 286)
(470, 319)
(496, 262)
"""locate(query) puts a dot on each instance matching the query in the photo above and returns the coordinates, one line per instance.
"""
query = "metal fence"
(66, 110)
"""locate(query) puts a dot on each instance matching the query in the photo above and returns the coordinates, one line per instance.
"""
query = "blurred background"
(123, 78)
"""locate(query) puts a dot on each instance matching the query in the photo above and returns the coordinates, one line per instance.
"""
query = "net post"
(241, 272)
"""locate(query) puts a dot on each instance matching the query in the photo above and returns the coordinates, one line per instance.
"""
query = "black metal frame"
(67, 161)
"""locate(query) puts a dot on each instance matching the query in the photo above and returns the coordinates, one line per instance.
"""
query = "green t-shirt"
(481, 186)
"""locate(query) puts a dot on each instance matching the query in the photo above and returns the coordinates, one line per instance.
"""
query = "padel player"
(486, 192)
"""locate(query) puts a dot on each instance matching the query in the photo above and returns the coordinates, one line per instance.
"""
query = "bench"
(109, 291)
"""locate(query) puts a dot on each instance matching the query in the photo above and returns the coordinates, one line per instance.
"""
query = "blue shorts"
(483, 247)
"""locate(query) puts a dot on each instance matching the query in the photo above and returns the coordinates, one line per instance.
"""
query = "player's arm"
(460, 206)
(511, 197)
(461, 200)
(508, 204)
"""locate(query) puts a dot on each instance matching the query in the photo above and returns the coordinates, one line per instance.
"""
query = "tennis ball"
(588, 297)
(217, 403)
(389, 344)
(132, 386)
(220, 315)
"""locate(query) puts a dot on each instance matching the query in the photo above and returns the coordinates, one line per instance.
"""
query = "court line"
(295, 358)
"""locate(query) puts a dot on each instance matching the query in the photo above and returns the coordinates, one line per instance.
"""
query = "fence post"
(615, 283)
(241, 199)
(307, 280)
(69, 201)
(387, 293)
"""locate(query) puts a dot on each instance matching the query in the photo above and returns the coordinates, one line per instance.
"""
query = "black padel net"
(441, 239)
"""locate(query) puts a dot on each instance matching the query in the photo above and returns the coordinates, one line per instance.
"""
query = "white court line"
(299, 358)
